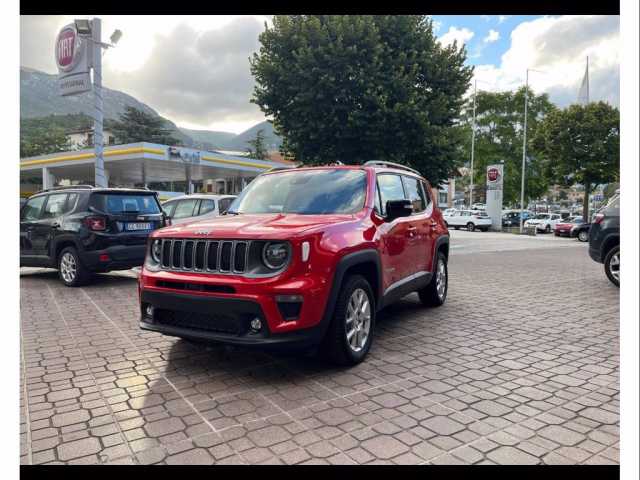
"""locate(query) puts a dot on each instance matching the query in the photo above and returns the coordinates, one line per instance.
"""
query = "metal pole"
(96, 27)
(473, 141)
(587, 80)
(524, 148)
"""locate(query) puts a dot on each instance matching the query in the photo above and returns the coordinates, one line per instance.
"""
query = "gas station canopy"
(141, 163)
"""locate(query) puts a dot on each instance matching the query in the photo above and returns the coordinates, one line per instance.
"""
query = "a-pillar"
(48, 180)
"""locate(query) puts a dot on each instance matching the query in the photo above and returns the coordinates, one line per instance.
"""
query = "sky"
(194, 70)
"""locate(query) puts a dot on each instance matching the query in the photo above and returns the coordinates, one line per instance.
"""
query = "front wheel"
(434, 294)
(547, 229)
(583, 236)
(351, 331)
(471, 227)
(612, 265)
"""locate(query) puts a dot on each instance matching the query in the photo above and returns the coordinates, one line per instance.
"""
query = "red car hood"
(276, 225)
(564, 225)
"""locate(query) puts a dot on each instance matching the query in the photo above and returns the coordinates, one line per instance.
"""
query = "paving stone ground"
(520, 366)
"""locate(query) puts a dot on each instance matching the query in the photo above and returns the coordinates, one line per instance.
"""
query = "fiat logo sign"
(67, 47)
(493, 174)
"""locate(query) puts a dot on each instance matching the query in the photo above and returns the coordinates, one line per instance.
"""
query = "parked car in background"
(449, 211)
(471, 220)
(511, 218)
(81, 230)
(303, 259)
(544, 222)
(581, 231)
(564, 227)
(195, 207)
(478, 206)
(604, 239)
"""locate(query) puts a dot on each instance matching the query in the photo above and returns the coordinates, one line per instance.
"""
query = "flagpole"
(587, 79)
(473, 141)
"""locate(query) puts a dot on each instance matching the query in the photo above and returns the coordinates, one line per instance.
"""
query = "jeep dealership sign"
(72, 59)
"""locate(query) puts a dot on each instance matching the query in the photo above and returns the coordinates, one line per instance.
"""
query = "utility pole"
(96, 28)
(524, 149)
(473, 141)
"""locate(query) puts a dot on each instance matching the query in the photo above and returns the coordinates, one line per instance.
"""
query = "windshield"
(542, 216)
(310, 192)
(125, 203)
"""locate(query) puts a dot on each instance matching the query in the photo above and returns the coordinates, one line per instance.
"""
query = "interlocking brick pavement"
(519, 366)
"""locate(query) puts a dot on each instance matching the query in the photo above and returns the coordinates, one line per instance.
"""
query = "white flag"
(583, 93)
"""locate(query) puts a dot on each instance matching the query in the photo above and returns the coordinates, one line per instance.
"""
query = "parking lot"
(520, 366)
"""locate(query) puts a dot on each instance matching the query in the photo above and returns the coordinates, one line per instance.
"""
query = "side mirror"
(397, 209)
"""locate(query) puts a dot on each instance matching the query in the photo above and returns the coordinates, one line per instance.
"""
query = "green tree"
(581, 144)
(42, 141)
(354, 88)
(499, 122)
(137, 126)
(258, 149)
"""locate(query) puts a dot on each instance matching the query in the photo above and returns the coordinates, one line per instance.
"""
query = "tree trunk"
(585, 202)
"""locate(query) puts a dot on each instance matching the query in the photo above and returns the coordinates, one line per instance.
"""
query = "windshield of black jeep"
(307, 192)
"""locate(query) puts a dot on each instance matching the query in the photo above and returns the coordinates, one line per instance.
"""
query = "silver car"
(195, 207)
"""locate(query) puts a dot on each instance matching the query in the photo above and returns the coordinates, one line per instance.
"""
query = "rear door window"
(33, 207)
(118, 203)
(206, 206)
(55, 205)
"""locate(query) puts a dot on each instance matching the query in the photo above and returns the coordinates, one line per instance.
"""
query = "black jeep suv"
(604, 239)
(81, 230)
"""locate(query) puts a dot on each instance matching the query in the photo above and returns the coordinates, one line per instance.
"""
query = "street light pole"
(473, 141)
(524, 149)
(96, 28)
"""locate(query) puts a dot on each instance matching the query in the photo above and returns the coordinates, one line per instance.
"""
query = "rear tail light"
(96, 223)
(598, 218)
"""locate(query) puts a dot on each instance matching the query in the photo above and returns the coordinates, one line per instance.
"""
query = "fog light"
(256, 324)
(149, 311)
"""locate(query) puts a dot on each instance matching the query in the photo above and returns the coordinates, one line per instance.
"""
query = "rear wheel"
(471, 227)
(71, 270)
(351, 331)
(583, 236)
(434, 294)
(612, 265)
(547, 229)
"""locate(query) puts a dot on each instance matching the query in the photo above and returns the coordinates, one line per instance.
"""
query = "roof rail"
(382, 163)
(68, 187)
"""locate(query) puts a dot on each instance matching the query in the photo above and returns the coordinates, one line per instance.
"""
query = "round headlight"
(156, 248)
(275, 255)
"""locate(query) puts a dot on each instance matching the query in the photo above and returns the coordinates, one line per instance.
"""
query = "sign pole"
(100, 179)
(524, 148)
(473, 141)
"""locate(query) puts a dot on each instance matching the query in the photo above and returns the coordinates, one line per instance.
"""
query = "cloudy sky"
(195, 69)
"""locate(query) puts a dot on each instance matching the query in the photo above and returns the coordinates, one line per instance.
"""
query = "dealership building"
(169, 170)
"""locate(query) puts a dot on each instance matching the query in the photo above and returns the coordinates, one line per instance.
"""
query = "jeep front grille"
(215, 256)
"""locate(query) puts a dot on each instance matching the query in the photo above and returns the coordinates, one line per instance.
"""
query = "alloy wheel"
(68, 267)
(358, 321)
(441, 279)
(614, 266)
(583, 236)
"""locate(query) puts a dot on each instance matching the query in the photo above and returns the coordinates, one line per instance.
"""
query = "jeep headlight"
(275, 255)
(156, 250)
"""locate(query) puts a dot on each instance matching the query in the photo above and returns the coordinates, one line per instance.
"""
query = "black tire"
(583, 236)
(71, 270)
(456, 228)
(612, 265)
(429, 295)
(485, 229)
(547, 229)
(471, 227)
(335, 347)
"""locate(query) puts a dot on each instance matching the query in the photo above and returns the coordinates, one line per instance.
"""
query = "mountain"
(39, 98)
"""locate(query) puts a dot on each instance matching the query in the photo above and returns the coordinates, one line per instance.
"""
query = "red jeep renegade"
(303, 258)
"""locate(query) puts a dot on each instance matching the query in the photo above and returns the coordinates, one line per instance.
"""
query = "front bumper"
(225, 319)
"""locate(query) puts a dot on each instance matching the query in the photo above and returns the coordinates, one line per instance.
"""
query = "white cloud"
(454, 34)
(493, 36)
(502, 18)
(559, 47)
(486, 18)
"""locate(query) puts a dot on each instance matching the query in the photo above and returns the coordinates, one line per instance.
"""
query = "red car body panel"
(405, 246)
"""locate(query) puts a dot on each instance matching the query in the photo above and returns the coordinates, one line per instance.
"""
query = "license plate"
(138, 226)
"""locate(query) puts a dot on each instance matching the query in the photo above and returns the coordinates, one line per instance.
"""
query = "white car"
(544, 222)
(195, 207)
(448, 211)
(468, 219)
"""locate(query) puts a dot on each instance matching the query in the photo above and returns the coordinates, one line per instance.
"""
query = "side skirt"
(404, 287)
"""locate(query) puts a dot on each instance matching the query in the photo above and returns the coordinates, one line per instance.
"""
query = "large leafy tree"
(581, 144)
(137, 126)
(354, 88)
(499, 130)
(257, 148)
